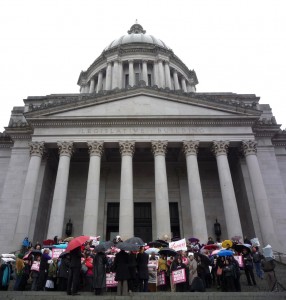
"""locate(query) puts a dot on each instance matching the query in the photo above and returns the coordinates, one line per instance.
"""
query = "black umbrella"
(239, 247)
(204, 258)
(104, 246)
(63, 254)
(127, 246)
(156, 244)
(135, 240)
(167, 251)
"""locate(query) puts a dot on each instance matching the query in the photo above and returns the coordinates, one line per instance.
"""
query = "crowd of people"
(85, 268)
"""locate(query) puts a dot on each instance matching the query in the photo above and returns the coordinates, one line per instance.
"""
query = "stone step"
(143, 296)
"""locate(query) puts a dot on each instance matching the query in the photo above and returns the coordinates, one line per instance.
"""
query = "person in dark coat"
(143, 272)
(64, 272)
(176, 265)
(43, 270)
(248, 267)
(132, 282)
(74, 271)
(99, 272)
(122, 275)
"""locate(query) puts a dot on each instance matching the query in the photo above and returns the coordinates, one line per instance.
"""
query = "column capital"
(37, 148)
(65, 148)
(144, 60)
(220, 147)
(249, 147)
(130, 61)
(159, 147)
(127, 148)
(95, 148)
(191, 147)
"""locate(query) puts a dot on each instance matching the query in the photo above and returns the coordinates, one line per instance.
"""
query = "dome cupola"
(134, 58)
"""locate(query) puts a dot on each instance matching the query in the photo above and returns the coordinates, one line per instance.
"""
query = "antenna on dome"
(136, 21)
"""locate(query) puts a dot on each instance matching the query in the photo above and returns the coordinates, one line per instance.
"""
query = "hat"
(20, 255)
(190, 254)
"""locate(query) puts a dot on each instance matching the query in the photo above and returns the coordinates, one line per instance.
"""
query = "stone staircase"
(248, 292)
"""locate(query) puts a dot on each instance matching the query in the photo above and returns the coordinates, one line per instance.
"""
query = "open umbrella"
(210, 247)
(193, 240)
(239, 247)
(77, 242)
(151, 250)
(158, 244)
(215, 252)
(8, 259)
(227, 244)
(135, 240)
(225, 253)
(48, 243)
(61, 246)
(103, 246)
(167, 251)
(127, 246)
(204, 258)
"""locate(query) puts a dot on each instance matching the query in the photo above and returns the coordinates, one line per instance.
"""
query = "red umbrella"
(77, 242)
(211, 247)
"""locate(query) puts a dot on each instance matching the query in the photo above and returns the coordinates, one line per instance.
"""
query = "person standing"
(143, 272)
(257, 262)
(192, 268)
(74, 271)
(122, 275)
(248, 267)
(268, 266)
(64, 272)
(44, 267)
(99, 272)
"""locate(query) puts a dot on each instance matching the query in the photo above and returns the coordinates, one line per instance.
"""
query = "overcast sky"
(234, 46)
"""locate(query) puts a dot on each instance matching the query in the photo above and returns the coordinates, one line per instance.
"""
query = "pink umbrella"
(215, 252)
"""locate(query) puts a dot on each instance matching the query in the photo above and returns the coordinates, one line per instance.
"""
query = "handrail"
(280, 257)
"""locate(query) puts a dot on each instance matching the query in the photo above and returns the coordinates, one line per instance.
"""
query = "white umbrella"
(150, 250)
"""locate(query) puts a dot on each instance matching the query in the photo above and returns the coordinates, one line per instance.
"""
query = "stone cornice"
(280, 138)
(143, 121)
(234, 103)
(22, 133)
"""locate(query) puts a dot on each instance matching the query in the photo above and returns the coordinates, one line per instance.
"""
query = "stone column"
(155, 73)
(99, 82)
(161, 74)
(131, 73)
(86, 89)
(220, 149)
(198, 215)
(183, 84)
(91, 87)
(92, 189)
(259, 193)
(168, 75)
(126, 209)
(108, 77)
(60, 193)
(29, 192)
(115, 75)
(120, 75)
(144, 71)
(176, 80)
(163, 224)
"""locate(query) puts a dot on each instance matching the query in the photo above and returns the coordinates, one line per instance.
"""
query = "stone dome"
(137, 34)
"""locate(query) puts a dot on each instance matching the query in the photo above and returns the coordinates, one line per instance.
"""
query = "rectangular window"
(126, 80)
(149, 80)
(137, 78)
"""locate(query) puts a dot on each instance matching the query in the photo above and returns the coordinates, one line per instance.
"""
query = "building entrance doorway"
(143, 221)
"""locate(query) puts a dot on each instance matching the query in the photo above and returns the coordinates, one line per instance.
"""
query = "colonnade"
(159, 70)
(126, 214)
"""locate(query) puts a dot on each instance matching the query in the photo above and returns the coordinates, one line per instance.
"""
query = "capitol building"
(140, 152)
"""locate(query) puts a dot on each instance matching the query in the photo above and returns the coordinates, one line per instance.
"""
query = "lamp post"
(217, 230)
(69, 228)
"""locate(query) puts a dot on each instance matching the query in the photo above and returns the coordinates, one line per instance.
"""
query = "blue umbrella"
(225, 253)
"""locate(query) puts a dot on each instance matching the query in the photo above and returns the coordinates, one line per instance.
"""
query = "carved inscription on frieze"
(141, 130)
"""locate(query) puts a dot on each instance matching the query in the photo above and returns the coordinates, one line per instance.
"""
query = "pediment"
(140, 106)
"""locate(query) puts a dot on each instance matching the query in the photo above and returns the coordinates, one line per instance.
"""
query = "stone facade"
(139, 152)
